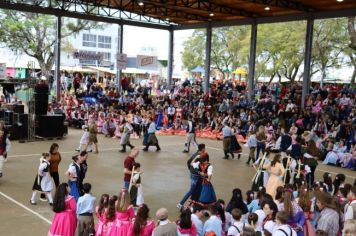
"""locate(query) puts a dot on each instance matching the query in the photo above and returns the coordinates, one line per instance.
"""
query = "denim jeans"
(126, 184)
(193, 185)
(260, 147)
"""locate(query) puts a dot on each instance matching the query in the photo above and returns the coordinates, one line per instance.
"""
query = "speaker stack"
(50, 126)
(41, 99)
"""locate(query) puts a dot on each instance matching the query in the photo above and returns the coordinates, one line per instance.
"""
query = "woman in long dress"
(276, 173)
(65, 220)
(74, 178)
(43, 182)
(207, 194)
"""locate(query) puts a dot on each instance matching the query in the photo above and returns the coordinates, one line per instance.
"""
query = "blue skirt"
(207, 194)
(145, 139)
(74, 189)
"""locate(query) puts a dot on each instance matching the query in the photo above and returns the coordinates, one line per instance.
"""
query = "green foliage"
(35, 34)
(280, 48)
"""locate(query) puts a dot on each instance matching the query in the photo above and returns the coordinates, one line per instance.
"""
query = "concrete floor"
(165, 178)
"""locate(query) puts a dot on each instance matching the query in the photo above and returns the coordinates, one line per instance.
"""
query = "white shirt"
(278, 231)
(236, 228)
(72, 170)
(196, 166)
(349, 213)
(198, 224)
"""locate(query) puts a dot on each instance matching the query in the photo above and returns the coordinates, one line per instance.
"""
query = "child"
(85, 210)
(43, 181)
(124, 215)
(237, 226)
(84, 140)
(4, 148)
(252, 144)
(136, 187)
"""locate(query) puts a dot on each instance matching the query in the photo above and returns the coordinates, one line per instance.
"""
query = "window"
(106, 56)
(104, 41)
(89, 40)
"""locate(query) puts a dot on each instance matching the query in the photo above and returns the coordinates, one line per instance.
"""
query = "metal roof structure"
(185, 14)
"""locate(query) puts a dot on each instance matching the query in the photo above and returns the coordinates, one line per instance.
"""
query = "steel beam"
(252, 62)
(207, 58)
(120, 43)
(68, 12)
(170, 59)
(58, 58)
(287, 4)
(307, 59)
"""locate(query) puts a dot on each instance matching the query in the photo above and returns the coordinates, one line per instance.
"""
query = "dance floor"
(165, 179)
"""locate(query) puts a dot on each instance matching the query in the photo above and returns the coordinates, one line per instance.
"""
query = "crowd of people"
(286, 144)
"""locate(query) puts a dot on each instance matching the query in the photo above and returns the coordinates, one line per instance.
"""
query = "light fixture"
(167, 19)
(140, 3)
(339, 0)
(211, 14)
(267, 8)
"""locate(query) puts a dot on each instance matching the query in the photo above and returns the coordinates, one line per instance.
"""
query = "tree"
(351, 50)
(35, 34)
(228, 49)
(330, 40)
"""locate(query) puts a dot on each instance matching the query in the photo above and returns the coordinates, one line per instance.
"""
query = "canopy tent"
(77, 69)
(102, 69)
(198, 69)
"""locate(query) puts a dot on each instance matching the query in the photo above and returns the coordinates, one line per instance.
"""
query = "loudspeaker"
(50, 126)
(16, 131)
(23, 120)
(17, 108)
(9, 117)
(2, 113)
(41, 99)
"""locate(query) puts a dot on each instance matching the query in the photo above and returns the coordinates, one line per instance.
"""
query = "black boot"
(123, 148)
(226, 156)
(158, 148)
(131, 146)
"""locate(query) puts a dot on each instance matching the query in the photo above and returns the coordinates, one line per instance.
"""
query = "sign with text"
(121, 61)
(3, 74)
(146, 62)
(87, 55)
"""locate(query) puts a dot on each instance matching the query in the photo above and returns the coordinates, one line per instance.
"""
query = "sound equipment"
(9, 117)
(18, 108)
(50, 126)
(41, 99)
(2, 113)
(23, 120)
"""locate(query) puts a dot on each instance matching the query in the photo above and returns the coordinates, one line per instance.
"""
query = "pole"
(307, 59)
(58, 58)
(252, 62)
(120, 42)
(207, 58)
(170, 59)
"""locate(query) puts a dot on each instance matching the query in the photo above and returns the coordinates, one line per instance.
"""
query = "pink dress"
(100, 228)
(64, 223)
(146, 231)
(123, 223)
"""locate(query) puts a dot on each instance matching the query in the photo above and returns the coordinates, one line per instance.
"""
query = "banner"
(121, 61)
(86, 55)
(146, 62)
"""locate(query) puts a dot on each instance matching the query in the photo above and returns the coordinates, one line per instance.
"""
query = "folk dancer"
(190, 136)
(127, 130)
(43, 182)
(152, 139)
(227, 133)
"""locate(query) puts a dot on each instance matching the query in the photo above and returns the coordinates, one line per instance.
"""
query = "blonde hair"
(350, 228)
(123, 202)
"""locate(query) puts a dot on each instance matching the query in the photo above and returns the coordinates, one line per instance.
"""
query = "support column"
(207, 58)
(58, 59)
(120, 42)
(307, 59)
(252, 62)
(170, 59)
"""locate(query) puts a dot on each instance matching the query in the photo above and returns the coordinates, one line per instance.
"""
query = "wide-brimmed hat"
(326, 199)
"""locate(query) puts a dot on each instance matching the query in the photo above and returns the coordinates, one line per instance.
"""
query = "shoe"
(132, 147)
(96, 152)
(238, 157)
(43, 199)
(51, 203)
(33, 203)
(225, 158)
(179, 206)
(145, 149)
(122, 150)
(90, 150)
(0, 174)
(158, 149)
(185, 151)
(247, 163)
(78, 150)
